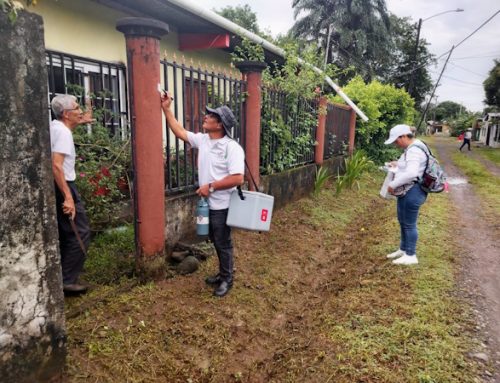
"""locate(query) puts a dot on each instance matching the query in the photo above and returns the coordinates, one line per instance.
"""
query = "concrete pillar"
(252, 70)
(319, 151)
(32, 334)
(143, 60)
(352, 131)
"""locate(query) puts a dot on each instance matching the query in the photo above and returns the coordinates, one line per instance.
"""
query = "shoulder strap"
(249, 172)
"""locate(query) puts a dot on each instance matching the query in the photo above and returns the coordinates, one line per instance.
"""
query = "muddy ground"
(478, 237)
(314, 300)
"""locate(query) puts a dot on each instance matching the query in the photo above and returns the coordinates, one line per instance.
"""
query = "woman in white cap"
(411, 166)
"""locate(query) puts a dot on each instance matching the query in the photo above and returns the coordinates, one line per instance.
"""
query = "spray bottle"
(202, 217)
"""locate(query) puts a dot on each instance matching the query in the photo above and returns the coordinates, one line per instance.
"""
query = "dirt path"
(477, 234)
(490, 165)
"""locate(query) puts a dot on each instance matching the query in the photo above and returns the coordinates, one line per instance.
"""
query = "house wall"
(86, 28)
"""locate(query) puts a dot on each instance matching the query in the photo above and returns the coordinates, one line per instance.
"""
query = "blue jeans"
(408, 207)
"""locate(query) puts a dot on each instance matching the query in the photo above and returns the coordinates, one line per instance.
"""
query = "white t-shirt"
(468, 135)
(216, 160)
(411, 165)
(61, 141)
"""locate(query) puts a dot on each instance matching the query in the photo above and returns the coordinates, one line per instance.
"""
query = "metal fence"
(336, 130)
(288, 131)
(193, 89)
(98, 84)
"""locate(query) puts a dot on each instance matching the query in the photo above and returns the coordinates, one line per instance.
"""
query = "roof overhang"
(185, 22)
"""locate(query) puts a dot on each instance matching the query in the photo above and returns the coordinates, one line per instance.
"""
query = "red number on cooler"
(263, 215)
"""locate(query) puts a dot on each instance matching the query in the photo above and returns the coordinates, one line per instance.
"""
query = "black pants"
(466, 141)
(72, 256)
(220, 235)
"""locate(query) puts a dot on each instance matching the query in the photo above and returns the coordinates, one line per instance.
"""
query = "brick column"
(352, 131)
(319, 151)
(143, 59)
(252, 71)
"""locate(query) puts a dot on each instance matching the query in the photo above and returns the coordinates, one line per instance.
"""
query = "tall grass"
(319, 181)
(355, 166)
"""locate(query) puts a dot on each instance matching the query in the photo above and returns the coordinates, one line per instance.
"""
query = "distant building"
(490, 130)
(438, 128)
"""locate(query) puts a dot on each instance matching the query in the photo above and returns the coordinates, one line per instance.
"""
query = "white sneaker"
(396, 254)
(406, 260)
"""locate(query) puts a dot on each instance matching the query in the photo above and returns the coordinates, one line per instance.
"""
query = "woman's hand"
(390, 190)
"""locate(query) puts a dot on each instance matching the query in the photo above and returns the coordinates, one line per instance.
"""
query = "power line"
(467, 70)
(455, 46)
(463, 82)
(477, 57)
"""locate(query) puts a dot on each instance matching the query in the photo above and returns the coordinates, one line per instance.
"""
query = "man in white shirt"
(69, 206)
(467, 138)
(221, 166)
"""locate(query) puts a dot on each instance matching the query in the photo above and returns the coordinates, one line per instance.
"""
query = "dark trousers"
(220, 234)
(466, 142)
(72, 256)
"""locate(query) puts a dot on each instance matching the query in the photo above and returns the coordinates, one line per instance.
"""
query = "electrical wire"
(457, 45)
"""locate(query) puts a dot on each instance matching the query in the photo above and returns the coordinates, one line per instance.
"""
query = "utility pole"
(434, 89)
(415, 59)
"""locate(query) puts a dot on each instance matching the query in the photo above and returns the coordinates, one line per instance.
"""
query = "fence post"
(253, 73)
(352, 131)
(143, 57)
(319, 151)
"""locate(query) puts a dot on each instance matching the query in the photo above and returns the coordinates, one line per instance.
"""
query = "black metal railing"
(193, 89)
(336, 130)
(99, 84)
(288, 131)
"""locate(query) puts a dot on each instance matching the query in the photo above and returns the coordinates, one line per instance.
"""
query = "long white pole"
(235, 28)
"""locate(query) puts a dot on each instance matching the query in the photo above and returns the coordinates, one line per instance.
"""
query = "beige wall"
(86, 28)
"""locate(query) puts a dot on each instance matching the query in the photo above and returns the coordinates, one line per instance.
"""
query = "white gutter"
(214, 18)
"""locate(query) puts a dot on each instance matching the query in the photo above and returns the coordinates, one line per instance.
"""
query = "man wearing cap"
(410, 167)
(221, 166)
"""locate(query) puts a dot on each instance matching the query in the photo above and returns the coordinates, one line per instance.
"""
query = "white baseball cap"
(398, 131)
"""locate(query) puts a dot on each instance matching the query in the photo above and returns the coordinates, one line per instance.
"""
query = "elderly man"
(221, 165)
(70, 211)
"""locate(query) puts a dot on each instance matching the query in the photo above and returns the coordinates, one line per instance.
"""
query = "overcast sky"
(470, 62)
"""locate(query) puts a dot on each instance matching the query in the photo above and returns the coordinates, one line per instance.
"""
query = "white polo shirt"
(61, 141)
(216, 160)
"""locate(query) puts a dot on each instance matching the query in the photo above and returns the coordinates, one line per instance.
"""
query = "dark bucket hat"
(226, 116)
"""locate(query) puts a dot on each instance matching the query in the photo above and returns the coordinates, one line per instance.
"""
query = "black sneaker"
(74, 289)
(213, 280)
(223, 288)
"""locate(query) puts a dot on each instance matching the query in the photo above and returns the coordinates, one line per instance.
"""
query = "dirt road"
(478, 232)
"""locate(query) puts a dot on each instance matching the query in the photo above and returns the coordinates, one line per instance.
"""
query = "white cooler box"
(252, 213)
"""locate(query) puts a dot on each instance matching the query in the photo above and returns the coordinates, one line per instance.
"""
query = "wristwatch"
(210, 188)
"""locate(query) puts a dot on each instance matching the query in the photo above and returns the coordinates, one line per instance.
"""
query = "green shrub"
(355, 166)
(103, 172)
(385, 106)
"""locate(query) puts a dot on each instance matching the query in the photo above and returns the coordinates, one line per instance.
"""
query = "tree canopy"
(447, 111)
(492, 86)
(356, 32)
(403, 64)
(242, 15)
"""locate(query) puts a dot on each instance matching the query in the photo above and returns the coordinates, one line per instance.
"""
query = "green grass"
(490, 154)
(485, 184)
(110, 256)
(419, 335)
(347, 314)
